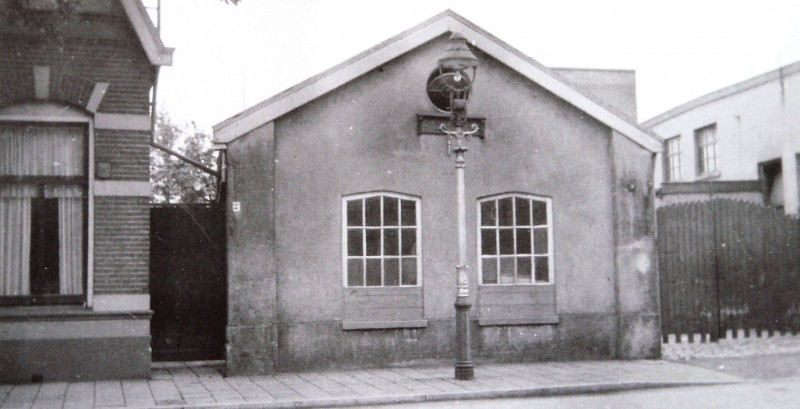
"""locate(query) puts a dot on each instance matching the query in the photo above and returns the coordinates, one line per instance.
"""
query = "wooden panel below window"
(383, 307)
(517, 305)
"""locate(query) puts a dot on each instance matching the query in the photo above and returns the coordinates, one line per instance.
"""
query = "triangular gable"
(147, 33)
(448, 21)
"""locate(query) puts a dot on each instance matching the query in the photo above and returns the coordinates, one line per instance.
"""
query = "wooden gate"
(728, 265)
(187, 282)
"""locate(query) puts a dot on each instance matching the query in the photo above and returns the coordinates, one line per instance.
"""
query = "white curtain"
(41, 150)
(15, 233)
(70, 237)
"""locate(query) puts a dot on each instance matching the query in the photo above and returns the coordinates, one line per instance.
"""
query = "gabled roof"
(774, 75)
(447, 21)
(147, 33)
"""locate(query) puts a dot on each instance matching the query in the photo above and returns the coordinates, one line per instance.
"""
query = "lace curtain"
(41, 150)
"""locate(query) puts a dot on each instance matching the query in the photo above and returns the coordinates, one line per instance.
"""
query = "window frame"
(550, 249)
(345, 228)
(672, 150)
(60, 114)
(703, 147)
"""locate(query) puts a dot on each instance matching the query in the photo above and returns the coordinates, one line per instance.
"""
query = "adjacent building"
(742, 141)
(341, 221)
(76, 93)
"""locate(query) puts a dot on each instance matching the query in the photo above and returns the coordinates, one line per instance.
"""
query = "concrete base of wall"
(74, 359)
(326, 345)
(71, 343)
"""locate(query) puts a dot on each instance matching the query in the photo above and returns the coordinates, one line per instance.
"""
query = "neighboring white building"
(741, 141)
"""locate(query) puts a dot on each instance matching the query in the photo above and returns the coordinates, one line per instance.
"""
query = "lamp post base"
(465, 370)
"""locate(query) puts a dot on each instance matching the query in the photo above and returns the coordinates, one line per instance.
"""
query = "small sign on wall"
(236, 207)
(103, 170)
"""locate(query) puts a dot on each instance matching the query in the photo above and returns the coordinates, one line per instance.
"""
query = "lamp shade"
(457, 56)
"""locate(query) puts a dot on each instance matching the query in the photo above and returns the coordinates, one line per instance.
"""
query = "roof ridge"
(735, 88)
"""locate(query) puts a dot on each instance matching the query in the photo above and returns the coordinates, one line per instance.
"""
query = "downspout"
(154, 144)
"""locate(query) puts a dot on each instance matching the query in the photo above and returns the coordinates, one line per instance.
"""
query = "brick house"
(342, 223)
(75, 128)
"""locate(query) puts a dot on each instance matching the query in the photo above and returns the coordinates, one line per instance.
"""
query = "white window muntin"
(382, 227)
(496, 257)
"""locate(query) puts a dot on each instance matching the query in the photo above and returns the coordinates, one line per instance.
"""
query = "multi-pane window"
(381, 240)
(672, 159)
(706, 139)
(516, 245)
(42, 213)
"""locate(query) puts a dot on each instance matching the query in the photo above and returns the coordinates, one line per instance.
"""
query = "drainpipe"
(153, 143)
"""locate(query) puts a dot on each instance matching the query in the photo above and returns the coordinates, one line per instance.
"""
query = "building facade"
(342, 223)
(741, 141)
(75, 126)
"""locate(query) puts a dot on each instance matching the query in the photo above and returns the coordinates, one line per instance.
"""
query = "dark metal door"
(187, 282)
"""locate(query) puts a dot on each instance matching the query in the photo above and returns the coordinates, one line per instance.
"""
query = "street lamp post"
(457, 69)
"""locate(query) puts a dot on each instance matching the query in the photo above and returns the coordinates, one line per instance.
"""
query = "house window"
(381, 240)
(515, 242)
(706, 139)
(672, 159)
(42, 213)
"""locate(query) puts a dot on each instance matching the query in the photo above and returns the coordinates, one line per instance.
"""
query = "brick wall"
(122, 245)
(74, 69)
(127, 152)
(100, 46)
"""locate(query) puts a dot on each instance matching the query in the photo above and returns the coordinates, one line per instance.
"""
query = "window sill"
(65, 313)
(708, 176)
(352, 325)
(545, 320)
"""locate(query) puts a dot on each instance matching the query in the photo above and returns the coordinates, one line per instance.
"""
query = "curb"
(582, 389)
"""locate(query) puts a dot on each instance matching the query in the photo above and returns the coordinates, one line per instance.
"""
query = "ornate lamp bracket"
(457, 138)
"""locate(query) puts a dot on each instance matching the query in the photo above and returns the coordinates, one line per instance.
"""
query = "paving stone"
(108, 393)
(4, 390)
(249, 390)
(275, 388)
(326, 384)
(165, 392)
(21, 396)
(137, 393)
(50, 396)
(79, 395)
(304, 388)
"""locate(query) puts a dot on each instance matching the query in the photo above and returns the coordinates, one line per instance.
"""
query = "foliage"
(173, 179)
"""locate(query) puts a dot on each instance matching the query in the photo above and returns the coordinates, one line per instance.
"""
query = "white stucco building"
(741, 141)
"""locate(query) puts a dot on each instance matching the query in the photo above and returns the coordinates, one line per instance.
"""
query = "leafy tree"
(173, 179)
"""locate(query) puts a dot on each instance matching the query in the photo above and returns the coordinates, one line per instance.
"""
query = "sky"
(231, 57)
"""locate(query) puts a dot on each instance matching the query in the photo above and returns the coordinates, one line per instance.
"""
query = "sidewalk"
(204, 387)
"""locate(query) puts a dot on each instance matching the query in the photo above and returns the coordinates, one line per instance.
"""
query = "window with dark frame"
(515, 242)
(42, 213)
(381, 240)
(672, 159)
(706, 140)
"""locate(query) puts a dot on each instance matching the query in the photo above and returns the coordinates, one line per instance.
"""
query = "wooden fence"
(728, 265)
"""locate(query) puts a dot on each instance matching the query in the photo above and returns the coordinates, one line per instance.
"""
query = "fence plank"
(728, 265)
